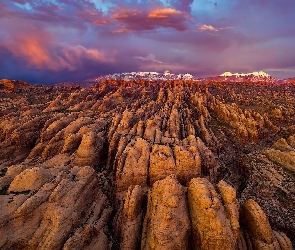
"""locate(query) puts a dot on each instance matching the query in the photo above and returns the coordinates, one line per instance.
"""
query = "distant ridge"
(11, 86)
(253, 77)
(156, 76)
(255, 73)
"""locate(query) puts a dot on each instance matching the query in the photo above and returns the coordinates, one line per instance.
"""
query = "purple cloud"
(184, 5)
(138, 20)
(148, 58)
(69, 40)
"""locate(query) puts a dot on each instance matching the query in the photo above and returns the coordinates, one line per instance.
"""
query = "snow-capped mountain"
(253, 77)
(255, 73)
(257, 76)
(153, 76)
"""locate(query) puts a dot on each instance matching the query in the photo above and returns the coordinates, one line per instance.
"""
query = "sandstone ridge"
(148, 165)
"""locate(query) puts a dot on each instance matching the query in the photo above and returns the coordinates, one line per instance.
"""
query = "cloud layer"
(48, 41)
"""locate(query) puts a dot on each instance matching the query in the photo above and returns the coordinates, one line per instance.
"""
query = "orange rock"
(166, 224)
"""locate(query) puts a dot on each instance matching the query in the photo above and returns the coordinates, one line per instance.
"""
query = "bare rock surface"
(133, 165)
(142, 164)
(166, 224)
(132, 219)
(30, 179)
(162, 162)
(259, 229)
(211, 228)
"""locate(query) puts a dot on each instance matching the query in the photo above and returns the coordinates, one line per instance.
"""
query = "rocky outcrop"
(132, 219)
(211, 228)
(245, 123)
(232, 207)
(162, 162)
(287, 159)
(30, 180)
(133, 165)
(55, 208)
(282, 153)
(147, 165)
(166, 224)
(258, 227)
(187, 163)
(209, 165)
(90, 151)
(13, 86)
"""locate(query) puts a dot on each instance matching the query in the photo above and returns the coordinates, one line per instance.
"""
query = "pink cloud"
(75, 55)
(31, 47)
(137, 20)
(164, 13)
(206, 27)
(93, 16)
(40, 51)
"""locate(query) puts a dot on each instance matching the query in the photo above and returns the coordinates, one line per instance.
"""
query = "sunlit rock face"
(143, 164)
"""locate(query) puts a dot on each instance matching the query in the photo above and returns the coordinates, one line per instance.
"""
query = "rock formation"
(143, 164)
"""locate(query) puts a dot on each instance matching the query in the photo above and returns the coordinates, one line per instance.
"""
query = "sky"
(48, 41)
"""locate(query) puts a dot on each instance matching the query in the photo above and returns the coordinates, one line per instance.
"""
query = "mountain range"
(156, 76)
(256, 76)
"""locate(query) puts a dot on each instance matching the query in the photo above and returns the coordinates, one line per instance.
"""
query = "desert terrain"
(140, 164)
